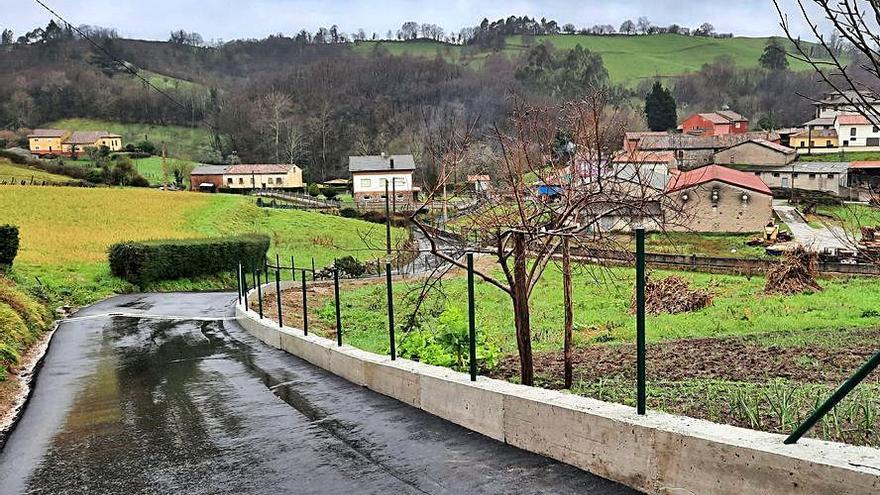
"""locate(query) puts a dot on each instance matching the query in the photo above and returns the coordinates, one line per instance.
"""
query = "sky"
(231, 19)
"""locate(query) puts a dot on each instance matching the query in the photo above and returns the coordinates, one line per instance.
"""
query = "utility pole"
(164, 166)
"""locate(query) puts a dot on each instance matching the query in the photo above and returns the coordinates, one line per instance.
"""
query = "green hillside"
(627, 58)
(182, 142)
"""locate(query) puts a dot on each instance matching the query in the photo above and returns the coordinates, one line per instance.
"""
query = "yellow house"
(817, 138)
(80, 141)
(262, 176)
(47, 141)
(64, 142)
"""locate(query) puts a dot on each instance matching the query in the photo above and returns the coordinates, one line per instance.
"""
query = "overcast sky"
(230, 19)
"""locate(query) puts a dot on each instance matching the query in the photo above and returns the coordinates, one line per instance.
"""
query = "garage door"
(872, 142)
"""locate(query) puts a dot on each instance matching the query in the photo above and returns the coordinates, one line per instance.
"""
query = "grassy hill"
(182, 142)
(65, 233)
(10, 171)
(627, 58)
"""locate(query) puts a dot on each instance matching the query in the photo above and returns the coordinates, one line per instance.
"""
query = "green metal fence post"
(244, 288)
(278, 296)
(472, 321)
(338, 308)
(387, 223)
(238, 282)
(640, 320)
(313, 268)
(259, 294)
(836, 397)
(305, 305)
(254, 276)
(278, 261)
(390, 292)
(292, 270)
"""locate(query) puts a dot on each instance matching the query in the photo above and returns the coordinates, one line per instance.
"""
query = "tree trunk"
(569, 316)
(520, 295)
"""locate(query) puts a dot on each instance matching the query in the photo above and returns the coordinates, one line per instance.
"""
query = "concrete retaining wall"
(658, 453)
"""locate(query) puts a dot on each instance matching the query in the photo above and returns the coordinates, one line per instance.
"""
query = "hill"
(627, 58)
(182, 142)
(10, 172)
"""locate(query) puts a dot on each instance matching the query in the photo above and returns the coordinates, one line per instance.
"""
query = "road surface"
(817, 239)
(175, 397)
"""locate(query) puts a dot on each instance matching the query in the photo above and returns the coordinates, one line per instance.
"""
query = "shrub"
(330, 193)
(146, 147)
(314, 190)
(144, 262)
(139, 181)
(374, 216)
(349, 213)
(8, 244)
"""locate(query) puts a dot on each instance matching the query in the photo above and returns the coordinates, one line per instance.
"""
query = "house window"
(229, 181)
(399, 181)
(812, 144)
(795, 175)
(828, 144)
(271, 180)
(830, 176)
(812, 176)
(758, 174)
(36, 147)
(845, 143)
(852, 131)
(400, 196)
(367, 198)
(875, 130)
(240, 181)
(366, 183)
(775, 174)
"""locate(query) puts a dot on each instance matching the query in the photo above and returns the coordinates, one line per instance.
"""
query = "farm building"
(690, 151)
(370, 175)
(718, 199)
(246, 177)
(827, 177)
(718, 123)
(64, 142)
(835, 103)
(756, 152)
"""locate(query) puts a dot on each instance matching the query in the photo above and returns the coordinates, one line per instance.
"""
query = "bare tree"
(275, 108)
(544, 198)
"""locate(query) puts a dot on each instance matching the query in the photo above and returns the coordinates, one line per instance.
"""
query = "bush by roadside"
(142, 263)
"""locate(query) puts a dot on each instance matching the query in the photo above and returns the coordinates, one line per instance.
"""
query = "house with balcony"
(373, 175)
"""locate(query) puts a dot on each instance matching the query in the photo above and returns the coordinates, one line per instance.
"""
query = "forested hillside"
(315, 99)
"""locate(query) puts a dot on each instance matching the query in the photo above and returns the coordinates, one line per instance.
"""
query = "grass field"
(848, 156)
(182, 142)
(627, 58)
(166, 82)
(10, 171)
(151, 168)
(65, 233)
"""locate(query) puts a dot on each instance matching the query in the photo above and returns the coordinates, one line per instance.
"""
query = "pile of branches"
(794, 274)
(349, 267)
(672, 295)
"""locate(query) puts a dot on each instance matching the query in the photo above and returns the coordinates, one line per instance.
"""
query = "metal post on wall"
(305, 305)
(313, 268)
(278, 296)
(338, 308)
(260, 294)
(254, 276)
(238, 282)
(836, 397)
(278, 261)
(472, 321)
(390, 296)
(244, 288)
(292, 269)
(387, 223)
(640, 320)
(266, 268)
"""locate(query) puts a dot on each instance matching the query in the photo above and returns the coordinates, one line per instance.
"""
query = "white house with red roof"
(246, 177)
(717, 199)
(856, 131)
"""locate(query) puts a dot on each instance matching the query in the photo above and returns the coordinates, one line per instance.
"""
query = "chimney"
(391, 162)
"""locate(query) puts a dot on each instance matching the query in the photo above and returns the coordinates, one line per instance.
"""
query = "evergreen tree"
(660, 109)
(774, 56)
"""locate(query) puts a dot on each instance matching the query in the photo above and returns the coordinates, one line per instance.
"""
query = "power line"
(122, 63)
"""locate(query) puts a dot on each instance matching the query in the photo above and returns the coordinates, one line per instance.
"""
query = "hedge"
(8, 244)
(144, 262)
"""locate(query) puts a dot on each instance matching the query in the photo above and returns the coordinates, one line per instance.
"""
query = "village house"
(815, 138)
(756, 152)
(856, 131)
(835, 103)
(47, 141)
(69, 143)
(825, 177)
(690, 151)
(246, 177)
(718, 199)
(371, 174)
(717, 123)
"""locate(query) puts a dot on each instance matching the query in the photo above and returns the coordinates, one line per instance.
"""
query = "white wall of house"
(858, 136)
(246, 181)
(374, 182)
(826, 111)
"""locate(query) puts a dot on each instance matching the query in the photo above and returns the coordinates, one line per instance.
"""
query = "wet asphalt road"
(142, 405)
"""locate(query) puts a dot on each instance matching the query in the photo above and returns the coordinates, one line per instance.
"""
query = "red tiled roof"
(711, 173)
(852, 119)
(258, 168)
(865, 164)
